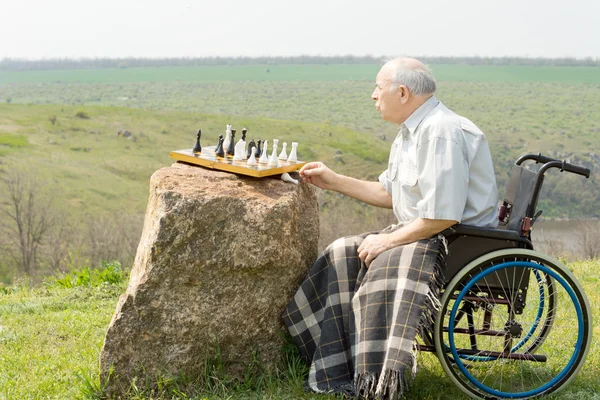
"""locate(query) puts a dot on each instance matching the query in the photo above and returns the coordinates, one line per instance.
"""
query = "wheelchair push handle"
(554, 163)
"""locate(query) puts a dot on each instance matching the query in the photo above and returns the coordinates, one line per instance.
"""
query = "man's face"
(388, 102)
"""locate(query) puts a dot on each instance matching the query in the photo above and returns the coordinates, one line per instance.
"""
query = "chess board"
(208, 159)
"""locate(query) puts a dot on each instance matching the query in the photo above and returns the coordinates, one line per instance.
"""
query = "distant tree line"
(9, 64)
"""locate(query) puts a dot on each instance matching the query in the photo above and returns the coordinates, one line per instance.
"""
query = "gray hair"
(417, 77)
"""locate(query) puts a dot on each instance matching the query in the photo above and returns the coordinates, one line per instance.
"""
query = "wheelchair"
(513, 323)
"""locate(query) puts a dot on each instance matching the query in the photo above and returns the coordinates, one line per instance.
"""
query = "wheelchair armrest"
(488, 233)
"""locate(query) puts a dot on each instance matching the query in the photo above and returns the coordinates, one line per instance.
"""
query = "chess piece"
(231, 148)
(274, 161)
(239, 151)
(258, 150)
(263, 155)
(227, 137)
(197, 148)
(219, 143)
(293, 156)
(244, 131)
(283, 154)
(251, 148)
(252, 158)
(220, 152)
(287, 178)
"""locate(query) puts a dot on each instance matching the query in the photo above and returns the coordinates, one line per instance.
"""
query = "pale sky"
(185, 28)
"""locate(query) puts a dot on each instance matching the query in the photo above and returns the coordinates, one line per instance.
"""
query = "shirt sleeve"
(385, 182)
(443, 171)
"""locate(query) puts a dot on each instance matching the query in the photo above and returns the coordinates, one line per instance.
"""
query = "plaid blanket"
(356, 325)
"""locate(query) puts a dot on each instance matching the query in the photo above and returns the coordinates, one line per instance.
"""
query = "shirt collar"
(420, 113)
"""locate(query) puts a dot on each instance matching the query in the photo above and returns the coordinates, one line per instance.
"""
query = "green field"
(367, 72)
(98, 178)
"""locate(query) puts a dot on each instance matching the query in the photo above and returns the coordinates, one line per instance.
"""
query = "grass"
(51, 336)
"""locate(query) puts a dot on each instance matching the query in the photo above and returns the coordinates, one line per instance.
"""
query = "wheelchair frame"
(495, 276)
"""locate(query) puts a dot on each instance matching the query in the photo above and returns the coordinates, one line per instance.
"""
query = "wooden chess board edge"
(179, 155)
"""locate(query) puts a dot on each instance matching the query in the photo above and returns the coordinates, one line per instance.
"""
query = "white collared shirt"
(440, 167)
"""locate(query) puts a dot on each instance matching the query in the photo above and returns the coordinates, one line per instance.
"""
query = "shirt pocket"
(408, 174)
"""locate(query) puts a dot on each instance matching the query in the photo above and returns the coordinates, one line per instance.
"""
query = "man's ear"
(404, 94)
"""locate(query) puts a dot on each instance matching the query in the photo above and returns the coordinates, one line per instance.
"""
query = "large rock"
(219, 258)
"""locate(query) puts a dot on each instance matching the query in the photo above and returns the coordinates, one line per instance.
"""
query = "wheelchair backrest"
(517, 198)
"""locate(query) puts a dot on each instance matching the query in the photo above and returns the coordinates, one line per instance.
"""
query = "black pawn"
(231, 148)
(250, 146)
(197, 148)
(219, 152)
(244, 131)
(258, 150)
(220, 144)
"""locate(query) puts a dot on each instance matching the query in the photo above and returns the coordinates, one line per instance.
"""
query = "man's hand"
(372, 246)
(319, 175)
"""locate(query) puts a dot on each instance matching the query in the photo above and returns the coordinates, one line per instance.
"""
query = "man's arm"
(420, 228)
(372, 193)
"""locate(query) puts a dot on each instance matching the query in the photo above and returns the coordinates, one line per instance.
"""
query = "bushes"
(82, 115)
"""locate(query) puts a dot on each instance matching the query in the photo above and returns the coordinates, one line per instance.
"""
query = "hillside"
(521, 109)
(99, 180)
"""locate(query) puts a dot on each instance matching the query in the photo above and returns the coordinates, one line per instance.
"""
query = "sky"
(37, 29)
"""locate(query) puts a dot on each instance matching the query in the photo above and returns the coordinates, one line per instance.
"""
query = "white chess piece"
(227, 137)
(287, 178)
(239, 151)
(293, 157)
(283, 154)
(252, 159)
(274, 161)
(263, 156)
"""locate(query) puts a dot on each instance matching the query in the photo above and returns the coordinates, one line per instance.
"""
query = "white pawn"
(287, 178)
(239, 152)
(227, 137)
(263, 156)
(293, 157)
(274, 161)
(283, 154)
(252, 159)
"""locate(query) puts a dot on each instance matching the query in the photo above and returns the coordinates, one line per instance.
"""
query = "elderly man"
(356, 316)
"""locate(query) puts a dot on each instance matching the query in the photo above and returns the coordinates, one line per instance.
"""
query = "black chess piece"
(244, 131)
(258, 149)
(219, 152)
(197, 148)
(250, 146)
(219, 144)
(231, 148)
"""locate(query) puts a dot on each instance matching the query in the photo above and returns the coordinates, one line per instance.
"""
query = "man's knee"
(344, 247)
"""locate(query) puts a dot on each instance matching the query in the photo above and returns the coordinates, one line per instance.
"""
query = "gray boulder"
(219, 258)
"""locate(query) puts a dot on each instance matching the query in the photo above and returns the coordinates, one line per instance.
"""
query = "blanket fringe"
(436, 283)
(389, 385)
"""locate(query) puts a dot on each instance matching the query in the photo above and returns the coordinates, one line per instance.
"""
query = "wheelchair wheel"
(513, 324)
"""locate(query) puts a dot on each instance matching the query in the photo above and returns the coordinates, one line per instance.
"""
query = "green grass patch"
(14, 141)
(51, 336)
